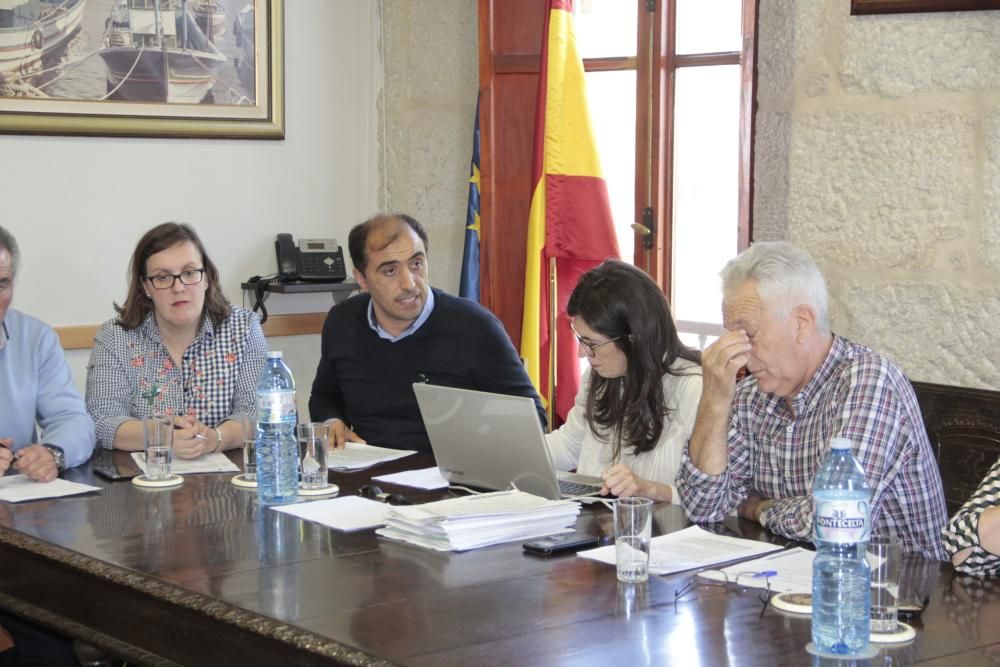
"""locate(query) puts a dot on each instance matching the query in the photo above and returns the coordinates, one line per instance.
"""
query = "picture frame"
(861, 7)
(143, 68)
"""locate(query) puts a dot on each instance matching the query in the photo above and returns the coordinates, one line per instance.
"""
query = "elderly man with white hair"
(758, 442)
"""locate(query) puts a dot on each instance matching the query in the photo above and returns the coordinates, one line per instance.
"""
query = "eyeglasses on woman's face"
(166, 280)
(591, 348)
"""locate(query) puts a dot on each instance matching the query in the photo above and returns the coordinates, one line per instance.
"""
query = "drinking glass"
(633, 529)
(313, 439)
(158, 445)
(883, 560)
(249, 427)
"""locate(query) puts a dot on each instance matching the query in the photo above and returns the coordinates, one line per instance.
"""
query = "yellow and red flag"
(570, 217)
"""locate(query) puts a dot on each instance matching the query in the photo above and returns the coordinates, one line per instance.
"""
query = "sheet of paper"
(484, 505)
(788, 571)
(688, 549)
(357, 456)
(349, 513)
(18, 488)
(215, 462)
(426, 478)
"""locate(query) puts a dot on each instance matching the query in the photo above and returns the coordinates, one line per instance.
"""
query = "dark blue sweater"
(367, 381)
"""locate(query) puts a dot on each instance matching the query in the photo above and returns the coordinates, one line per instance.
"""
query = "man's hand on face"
(37, 462)
(721, 363)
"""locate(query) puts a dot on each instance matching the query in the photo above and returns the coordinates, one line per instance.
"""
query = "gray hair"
(785, 276)
(8, 241)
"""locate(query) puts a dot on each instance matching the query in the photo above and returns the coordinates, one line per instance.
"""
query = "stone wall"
(878, 150)
(427, 110)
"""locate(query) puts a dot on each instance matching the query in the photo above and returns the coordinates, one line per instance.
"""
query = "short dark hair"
(357, 240)
(8, 241)
(620, 301)
(137, 305)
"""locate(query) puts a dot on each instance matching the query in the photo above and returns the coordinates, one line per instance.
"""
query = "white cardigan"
(575, 446)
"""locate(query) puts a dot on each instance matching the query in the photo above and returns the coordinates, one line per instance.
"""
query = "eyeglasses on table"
(721, 578)
(373, 492)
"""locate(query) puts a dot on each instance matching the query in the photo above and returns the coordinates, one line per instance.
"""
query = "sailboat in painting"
(211, 17)
(155, 52)
(29, 29)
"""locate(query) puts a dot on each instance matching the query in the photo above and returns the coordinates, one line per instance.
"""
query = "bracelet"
(218, 440)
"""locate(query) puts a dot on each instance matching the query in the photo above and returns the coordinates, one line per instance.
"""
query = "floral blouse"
(216, 380)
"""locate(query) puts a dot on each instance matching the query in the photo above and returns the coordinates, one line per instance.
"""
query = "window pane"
(605, 28)
(709, 26)
(611, 96)
(706, 187)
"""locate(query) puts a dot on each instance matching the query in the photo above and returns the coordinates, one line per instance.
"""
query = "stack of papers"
(459, 524)
(18, 488)
(356, 456)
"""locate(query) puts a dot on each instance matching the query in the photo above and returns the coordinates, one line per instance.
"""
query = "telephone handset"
(318, 260)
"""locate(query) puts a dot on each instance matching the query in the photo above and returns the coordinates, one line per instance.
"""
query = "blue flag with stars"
(469, 286)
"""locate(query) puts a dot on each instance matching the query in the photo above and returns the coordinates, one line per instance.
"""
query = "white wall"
(78, 204)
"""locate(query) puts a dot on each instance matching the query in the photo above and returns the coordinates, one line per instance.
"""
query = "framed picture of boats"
(168, 68)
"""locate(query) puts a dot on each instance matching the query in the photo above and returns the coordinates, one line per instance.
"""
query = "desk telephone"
(314, 260)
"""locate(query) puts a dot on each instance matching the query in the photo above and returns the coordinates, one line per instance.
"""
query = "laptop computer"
(488, 441)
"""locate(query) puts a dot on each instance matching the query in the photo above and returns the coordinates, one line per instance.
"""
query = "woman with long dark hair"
(177, 347)
(637, 401)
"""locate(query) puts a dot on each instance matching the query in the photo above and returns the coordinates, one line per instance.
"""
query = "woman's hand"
(619, 480)
(192, 438)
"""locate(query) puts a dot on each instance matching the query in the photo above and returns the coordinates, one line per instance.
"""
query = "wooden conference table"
(199, 575)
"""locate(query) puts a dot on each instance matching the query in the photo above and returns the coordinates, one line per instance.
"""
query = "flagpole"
(553, 312)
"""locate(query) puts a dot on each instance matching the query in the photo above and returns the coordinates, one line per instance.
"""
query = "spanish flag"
(570, 229)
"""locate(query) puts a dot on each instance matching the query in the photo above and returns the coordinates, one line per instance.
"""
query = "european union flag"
(469, 286)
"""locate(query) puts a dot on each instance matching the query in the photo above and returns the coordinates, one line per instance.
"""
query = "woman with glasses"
(177, 347)
(638, 398)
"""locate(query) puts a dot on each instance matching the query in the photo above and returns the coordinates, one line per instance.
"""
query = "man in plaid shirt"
(758, 443)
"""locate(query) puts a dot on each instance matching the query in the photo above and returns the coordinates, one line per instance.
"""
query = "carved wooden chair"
(964, 429)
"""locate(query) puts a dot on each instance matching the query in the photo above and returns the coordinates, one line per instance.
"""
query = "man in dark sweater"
(376, 345)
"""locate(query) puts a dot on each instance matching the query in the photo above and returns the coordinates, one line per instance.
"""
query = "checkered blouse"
(963, 529)
(216, 380)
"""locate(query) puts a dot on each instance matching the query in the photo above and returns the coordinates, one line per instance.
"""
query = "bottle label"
(842, 521)
(276, 407)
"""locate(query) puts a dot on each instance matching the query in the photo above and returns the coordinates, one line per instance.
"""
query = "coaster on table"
(328, 490)
(146, 483)
(795, 603)
(903, 633)
(870, 652)
(242, 482)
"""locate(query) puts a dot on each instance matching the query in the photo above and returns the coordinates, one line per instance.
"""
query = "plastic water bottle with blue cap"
(841, 526)
(277, 448)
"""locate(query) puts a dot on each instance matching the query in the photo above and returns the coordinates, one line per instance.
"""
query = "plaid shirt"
(776, 451)
(963, 529)
(217, 378)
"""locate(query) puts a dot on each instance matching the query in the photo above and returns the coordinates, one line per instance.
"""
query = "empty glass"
(249, 427)
(313, 440)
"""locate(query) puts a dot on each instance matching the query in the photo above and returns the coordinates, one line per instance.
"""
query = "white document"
(426, 478)
(498, 503)
(688, 549)
(357, 456)
(789, 571)
(214, 462)
(18, 488)
(349, 513)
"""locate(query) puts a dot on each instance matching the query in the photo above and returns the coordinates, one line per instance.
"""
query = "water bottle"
(841, 525)
(277, 449)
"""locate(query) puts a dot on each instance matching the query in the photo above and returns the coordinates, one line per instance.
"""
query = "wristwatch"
(57, 454)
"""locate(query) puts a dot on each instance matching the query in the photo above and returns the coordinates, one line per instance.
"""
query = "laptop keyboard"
(571, 489)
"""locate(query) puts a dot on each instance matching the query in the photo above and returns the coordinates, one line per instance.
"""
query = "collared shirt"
(4, 335)
(776, 451)
(216, 379)
(37, 391)
(963, 529)
(425, 312)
